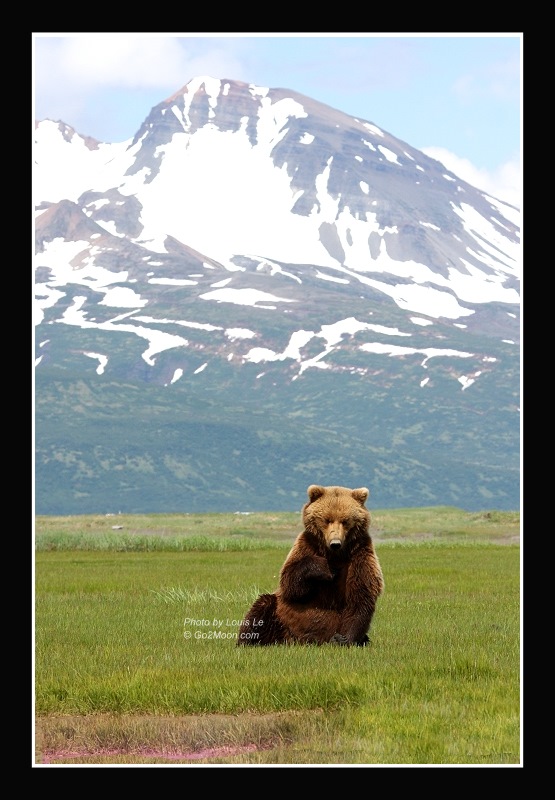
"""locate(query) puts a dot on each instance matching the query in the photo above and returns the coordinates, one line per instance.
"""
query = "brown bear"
(329, 582)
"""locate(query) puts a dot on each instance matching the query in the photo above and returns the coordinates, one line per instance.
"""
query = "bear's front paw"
(338, 638)
(321, 569)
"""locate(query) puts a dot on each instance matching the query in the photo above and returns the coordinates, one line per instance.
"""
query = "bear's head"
(336, 515)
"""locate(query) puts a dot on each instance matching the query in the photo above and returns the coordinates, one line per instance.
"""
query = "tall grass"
(250, 531)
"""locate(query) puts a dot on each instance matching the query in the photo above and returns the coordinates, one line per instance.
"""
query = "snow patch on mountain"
(332, 335)
(158, 340)
(65, 166)
(102, 361)
(173, 281)
(245, 297)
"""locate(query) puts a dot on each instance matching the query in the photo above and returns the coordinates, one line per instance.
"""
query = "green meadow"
(136, 661)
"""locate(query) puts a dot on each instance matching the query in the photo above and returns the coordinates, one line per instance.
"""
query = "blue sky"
(455, 96)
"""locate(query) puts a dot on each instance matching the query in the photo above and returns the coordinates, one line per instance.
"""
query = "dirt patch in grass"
(112, 738)
(65, 756)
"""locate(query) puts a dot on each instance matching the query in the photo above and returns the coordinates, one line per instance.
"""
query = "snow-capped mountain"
(256, 258)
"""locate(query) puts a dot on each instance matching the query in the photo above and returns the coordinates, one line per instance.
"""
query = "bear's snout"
(335, 536)
(335, 544)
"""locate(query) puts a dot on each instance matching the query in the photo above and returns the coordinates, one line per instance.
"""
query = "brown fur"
(330, 581)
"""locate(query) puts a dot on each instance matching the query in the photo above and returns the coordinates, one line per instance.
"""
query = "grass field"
(135, 658)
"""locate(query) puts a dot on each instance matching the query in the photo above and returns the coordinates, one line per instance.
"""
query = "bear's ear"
(314, 492)
(361, 495)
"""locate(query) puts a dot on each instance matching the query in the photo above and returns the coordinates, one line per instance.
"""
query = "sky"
(455, 96)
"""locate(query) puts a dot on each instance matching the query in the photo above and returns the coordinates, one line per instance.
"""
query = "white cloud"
(505, 183)
(132, 61)
(121, 61)
(119, 76)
